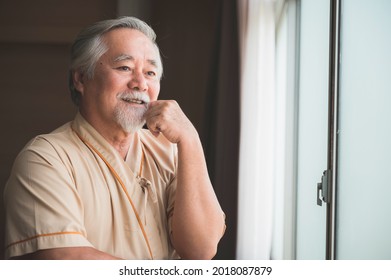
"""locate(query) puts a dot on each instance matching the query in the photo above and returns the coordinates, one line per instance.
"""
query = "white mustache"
(134, 95)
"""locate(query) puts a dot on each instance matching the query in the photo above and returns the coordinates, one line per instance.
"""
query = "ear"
(78, 81)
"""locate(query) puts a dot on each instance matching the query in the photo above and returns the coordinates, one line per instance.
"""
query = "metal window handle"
(323, 189)
(319, 195)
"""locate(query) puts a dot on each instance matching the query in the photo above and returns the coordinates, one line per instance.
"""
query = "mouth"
(133, 100)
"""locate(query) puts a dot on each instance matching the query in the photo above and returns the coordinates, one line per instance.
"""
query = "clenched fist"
(166, 117)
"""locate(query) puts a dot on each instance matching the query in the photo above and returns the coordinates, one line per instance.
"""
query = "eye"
(123, 68)
(151, 73)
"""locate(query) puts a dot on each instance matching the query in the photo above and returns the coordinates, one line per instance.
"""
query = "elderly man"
(101, 187)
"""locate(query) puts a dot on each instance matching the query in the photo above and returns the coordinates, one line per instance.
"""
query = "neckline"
(99, 145)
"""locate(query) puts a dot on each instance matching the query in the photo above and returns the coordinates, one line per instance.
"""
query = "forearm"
(71, 253)
(198, 221)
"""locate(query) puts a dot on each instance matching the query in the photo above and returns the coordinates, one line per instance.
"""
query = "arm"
(43, 208)
(197, 221)
(70, 253)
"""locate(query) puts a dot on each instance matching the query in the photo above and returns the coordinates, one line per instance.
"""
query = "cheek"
(106, 79)
(154, 92)
(106, 89)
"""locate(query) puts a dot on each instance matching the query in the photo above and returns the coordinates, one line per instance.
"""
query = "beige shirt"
(71, 188)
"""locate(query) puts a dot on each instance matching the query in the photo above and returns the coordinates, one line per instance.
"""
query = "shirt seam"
(43, 235)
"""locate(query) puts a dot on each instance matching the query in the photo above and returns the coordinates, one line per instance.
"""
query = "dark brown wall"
(186, 37)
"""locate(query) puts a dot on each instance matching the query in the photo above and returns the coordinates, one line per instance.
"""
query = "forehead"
(131, 42)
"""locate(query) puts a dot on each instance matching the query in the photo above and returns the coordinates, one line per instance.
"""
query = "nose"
(138, 81)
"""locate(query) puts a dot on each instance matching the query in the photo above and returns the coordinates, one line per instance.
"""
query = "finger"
(154, 105)
(153, 110)
(154, 125)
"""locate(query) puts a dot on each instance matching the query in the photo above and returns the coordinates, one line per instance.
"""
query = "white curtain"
(258, 122)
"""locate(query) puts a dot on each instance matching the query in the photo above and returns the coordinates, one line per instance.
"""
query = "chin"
(132, 128)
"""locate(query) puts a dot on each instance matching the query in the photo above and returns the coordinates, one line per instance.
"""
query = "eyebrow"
(123, 57)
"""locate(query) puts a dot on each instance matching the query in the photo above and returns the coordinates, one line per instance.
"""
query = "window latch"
(323, 189)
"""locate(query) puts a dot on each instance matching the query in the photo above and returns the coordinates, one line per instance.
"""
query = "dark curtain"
(199, 44)
(222, 133)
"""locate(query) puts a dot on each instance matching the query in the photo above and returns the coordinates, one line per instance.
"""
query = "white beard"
(131, 119)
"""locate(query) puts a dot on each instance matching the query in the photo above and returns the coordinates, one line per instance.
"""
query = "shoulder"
(61, 140)
(61, 136)
(38, 161)
(46, 147)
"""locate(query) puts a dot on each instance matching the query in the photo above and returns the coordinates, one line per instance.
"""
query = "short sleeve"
(43, 208)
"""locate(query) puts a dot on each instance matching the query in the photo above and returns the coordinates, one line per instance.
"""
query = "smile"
(130, 100)
(134, 98)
